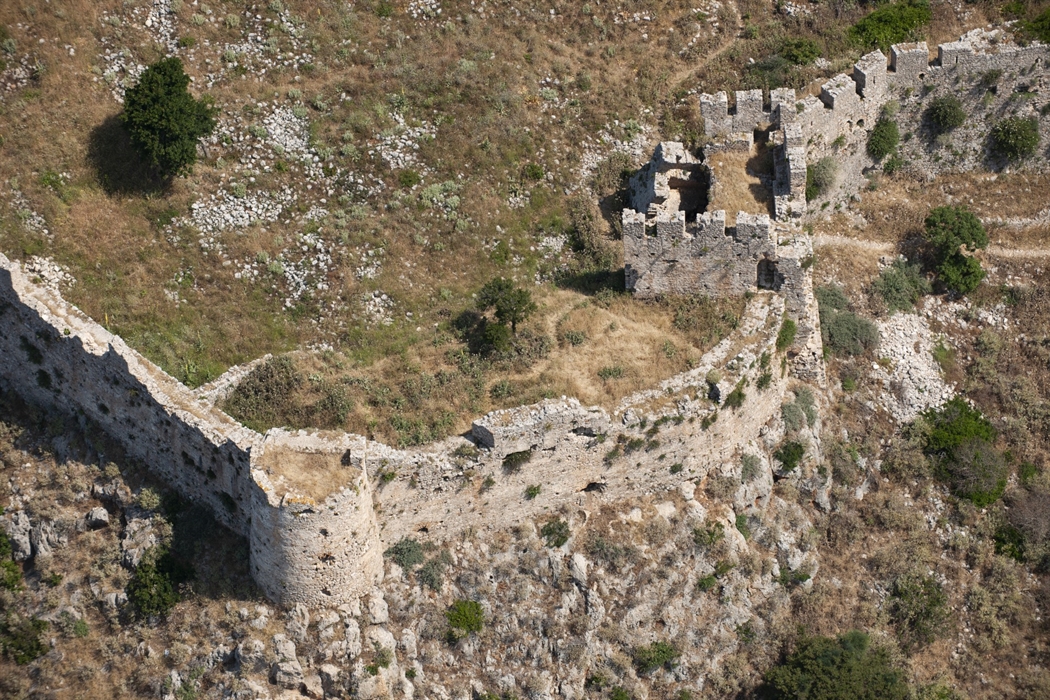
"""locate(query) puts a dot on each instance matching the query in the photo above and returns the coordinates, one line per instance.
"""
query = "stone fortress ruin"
(319, 508)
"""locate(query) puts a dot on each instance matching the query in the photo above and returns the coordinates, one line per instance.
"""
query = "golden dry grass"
(433, 389)
(739, 189)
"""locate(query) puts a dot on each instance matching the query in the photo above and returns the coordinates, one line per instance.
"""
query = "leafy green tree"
(164, 120)
(951, 230)
(512, 304)
(836, 669)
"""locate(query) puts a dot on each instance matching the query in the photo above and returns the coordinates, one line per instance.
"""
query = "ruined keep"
(673, 246)
(673, 243)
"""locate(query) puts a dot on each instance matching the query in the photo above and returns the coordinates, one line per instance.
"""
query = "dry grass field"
(379, 148)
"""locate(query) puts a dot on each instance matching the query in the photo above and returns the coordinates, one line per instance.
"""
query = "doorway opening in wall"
(692, 188)
(769, 276)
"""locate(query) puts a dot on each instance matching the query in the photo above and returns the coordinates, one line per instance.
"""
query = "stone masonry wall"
(57, 357)
(837, 122)
(316, 525)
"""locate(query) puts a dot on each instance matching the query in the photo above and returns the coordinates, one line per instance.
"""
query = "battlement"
(749, 113)
(837, 120)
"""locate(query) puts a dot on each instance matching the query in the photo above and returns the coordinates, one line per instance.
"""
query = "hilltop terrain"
(373, 165)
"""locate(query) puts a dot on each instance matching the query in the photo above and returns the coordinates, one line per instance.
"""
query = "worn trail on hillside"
(884, 247)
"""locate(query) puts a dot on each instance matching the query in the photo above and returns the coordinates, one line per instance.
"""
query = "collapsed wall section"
(55, 356)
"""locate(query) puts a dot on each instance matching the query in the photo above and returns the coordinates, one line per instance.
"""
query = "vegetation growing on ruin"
(946, 113)
(890, 24)
(883, 139)
(1015, 138)
(843, 332)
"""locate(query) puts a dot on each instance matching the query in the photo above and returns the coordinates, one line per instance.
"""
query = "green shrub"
(610, 372)
(706, 583)
(919, 609)
(800, 51)
(532, 491)
(610, 553)
(408, 178)
(261, 400)
(786, 335)
(891, 24)
(154, 587)
(432, 574)
(790, 455)
(574, 338)
(960, 439)
(735, 398)
(960, 273)
(954, 424)
(555, 532)
(1015, 138)
(945, 113)
(901, 285)
(514, 461)
(10, 572)
(465, 617)
(948, 228)
(407, 553)
(164, 120)
(806, 401)
(1039, 27)
(821, 668)
(893, 164)
(1009, 542)
(10, 575)
(883, 138)
(793, 417)
(742, 526)
(750, 467)
(654, 656)
(843, 332)
(849, 334)
(706, 537)
(534, 171)
(820, 177)
(21, 638)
